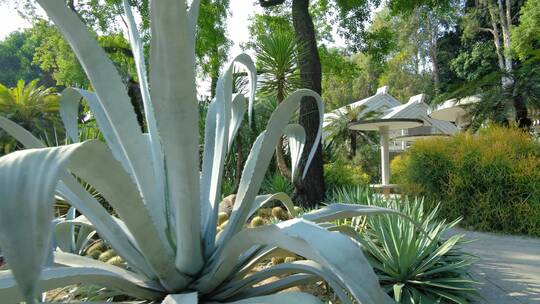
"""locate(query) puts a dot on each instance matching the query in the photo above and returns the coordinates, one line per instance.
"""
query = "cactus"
(98, 246)
(107, 255)
(290, 259)
(222, 217)
(278, 213)
(116, 261)
(257, 221)
(277, 260)
(94, 254)
(222, 226)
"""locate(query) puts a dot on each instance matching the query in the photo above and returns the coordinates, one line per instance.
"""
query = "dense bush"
(341, 174)
(492, 178)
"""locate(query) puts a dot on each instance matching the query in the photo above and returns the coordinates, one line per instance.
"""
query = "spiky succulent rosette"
(166, 207)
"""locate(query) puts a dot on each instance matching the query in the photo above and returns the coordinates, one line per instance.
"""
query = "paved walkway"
(508, 267)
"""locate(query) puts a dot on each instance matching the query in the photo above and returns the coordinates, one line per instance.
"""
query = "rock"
(227, 204)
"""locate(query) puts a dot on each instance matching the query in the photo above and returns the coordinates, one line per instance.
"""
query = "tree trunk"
(352, 147)
(239, 163)
(309, 191)
(281, 162)
(134, 93)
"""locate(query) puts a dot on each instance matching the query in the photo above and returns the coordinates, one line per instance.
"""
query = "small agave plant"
(166, 202)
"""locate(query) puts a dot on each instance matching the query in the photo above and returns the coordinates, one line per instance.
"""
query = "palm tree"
(29, 105)
(32, 106)
(277, 60)
(338, 132)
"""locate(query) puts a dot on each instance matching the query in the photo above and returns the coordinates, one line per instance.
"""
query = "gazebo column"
(385, 155)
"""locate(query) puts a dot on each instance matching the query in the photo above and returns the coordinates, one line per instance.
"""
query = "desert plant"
(274, 183)
(415, 264)
(167, 209)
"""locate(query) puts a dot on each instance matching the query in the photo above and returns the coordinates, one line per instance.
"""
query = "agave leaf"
(297, 141)
(283, 198)
(70, 240)
(259, 159)
(306, 239)
(95, 164)
(222, 122)
(291, 280)
(75, 269)
(339, 211)
(34, 206)
(113, 230)
(124, 137)
(155, 143)
(237, 115)
(26, 138)
(184, 298)
(72, 191)
(175, 106)
(280, 298)
(305, 267)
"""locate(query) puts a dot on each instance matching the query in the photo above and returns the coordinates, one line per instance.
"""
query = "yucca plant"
(167, 206)
(413, 265)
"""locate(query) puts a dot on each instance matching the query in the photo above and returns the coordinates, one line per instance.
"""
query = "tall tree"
(277, 60)
(310, 190)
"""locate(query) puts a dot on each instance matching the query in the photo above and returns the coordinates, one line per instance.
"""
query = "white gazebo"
(379, 102)
(453, 110)
(418, 109)
(383, 126)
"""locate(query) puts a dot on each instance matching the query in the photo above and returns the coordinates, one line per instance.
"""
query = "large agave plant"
(166, 204)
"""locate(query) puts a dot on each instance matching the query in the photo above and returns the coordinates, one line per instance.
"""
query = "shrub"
(414, 265)
(275, 183)
(341, 174)
(490, 178)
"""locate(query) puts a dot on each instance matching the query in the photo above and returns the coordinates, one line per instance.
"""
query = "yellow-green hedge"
(491, 179)
(343, 174)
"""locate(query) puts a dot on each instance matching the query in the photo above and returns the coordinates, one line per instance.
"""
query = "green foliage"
(475, 62)
(55, 56)
(277, 59)
(16, 54)
(275, 183)
(33, 106)
(342, 174)
(526, 36)
(414, 259)
(488, 178)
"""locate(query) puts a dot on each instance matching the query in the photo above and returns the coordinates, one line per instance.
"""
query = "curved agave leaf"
(280, 298)
(34, 206)
(339, 211)
(237, 115)
(222, 122)
(242, 288)
(283, 198)
(175, 106)
(297, 141)
(100, 169)
(259, 159)
(109, 228)
(26, 138)
(76, 270)
(125, 138)
(71, 240)
(306, 239)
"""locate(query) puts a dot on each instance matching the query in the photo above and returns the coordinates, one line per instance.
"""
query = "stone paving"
(508, 267)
